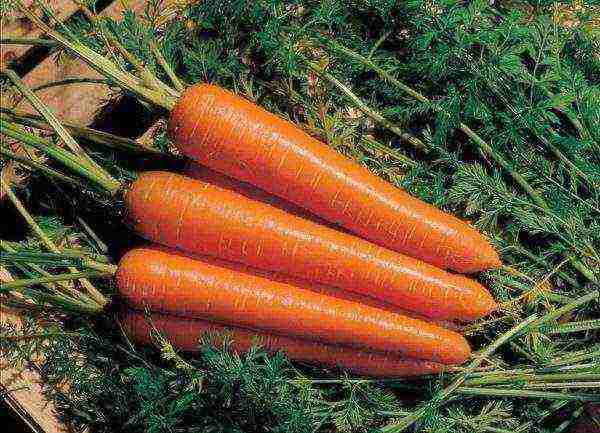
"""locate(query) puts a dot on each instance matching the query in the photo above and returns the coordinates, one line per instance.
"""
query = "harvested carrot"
(184, 334)
(308, 285)
(200, 218)
(205, 174)
(182, 286)
(234, 136)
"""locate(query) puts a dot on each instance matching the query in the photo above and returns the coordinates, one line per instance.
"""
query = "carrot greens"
(489, 110)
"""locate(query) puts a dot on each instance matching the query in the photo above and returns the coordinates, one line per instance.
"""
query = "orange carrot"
(200, 218)
(205, 174)
(182, 286)
(184, 334)
(234, 136)
(308, 285)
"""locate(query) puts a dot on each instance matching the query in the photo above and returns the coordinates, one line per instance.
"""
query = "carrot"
(234, 136)
(308, 285)
(205, 174)
(182, 286)
(185, 333)
(200, 218)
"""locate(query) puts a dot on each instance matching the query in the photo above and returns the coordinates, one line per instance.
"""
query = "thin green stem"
(570, 327)
(50, 117)
(40, 167)
(442, 396)
(386, 150)
(61, 259)
(362, 106)
(69, 81)
(29, 219)
(525, 393)
(529, 378)
(576, 356)
(100, 245)
(58, 288)
(553, 315)
(99, 137)
(150, 79)
(94, 293)
(99, 63)
(109, 185)
(27, 282)
(179, 86)
(27, 41)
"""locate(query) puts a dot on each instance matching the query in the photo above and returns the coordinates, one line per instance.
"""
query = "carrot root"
(185, 333)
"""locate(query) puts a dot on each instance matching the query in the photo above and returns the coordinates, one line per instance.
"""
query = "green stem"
(565, 309)
(150, 79)
(111, 186)
(502, 378)
(523, 393)
(66, 288)
(561, 156)
(100, 245)
(442, 396)
(79, 131)
(29, 219)
(179, 86)
(576, 356)
(40, 167)
(58, 127)
(94, 293)
(563, 385)
(69, 81)
(567, 328)
(386, 150)
(27, 282)
(372, 113)
(27, 41)
(99, 63)
(61, 259)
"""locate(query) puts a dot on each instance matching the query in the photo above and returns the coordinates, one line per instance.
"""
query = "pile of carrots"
(272, 234)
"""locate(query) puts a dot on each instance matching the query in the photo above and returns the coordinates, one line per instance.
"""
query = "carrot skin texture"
(308, 285)
(203, 219)
(182, 286)
(205, 174)
(184, 334)
(236, 137)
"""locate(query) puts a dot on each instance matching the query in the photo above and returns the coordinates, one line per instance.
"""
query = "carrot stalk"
(183, 286)
(185, 334)
(200, 218)
(234, 136)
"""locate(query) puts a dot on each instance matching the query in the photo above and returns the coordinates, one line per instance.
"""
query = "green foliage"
(526, 85)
